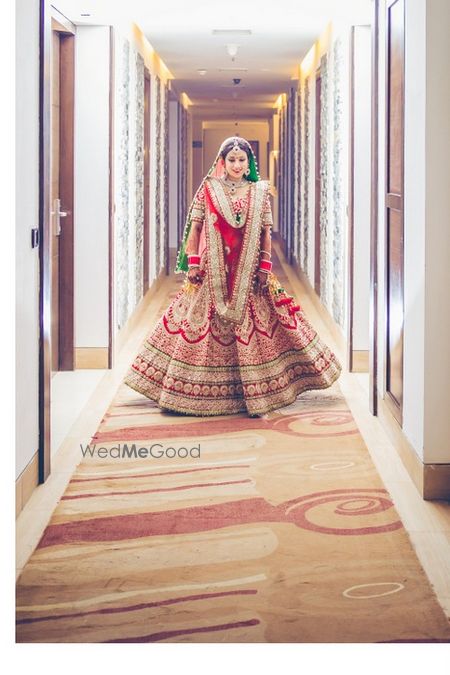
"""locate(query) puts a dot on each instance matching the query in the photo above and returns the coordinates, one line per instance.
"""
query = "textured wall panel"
(139, 178)
(339, 200)
(121, 183)
(128, 178)
(324, 182)
(306, 174)
(158, 176)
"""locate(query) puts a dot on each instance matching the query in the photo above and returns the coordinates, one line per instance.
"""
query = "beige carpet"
(281, 531)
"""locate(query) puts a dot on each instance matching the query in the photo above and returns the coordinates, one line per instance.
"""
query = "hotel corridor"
(223, 140)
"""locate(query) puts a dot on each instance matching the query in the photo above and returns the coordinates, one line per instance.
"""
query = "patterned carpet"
(280, 531)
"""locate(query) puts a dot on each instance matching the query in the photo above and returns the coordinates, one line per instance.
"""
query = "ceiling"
(271, 42)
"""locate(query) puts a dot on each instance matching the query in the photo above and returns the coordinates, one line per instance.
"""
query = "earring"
(224, 175)
(247, 172)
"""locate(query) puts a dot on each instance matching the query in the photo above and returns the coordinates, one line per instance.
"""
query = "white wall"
(91, 186)
(437, 228)
(362, 184)
(27, 205)
(415, 170)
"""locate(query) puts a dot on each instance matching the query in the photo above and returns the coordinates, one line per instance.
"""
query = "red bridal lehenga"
(228, 346)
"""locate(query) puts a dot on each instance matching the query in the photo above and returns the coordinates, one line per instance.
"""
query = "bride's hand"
(260, 281)
(194, 275)
(262, 277)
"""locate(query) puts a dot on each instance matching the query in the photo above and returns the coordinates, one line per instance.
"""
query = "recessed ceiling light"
(232, 49)
(202, 71)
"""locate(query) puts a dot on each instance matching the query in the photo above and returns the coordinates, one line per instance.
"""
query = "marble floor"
(70, 392)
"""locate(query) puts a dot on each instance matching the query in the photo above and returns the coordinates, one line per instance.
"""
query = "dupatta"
(230, 288)
(217, 170)
(230, 273)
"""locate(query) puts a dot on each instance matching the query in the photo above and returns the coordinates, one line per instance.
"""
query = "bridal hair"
(239, 142)
(231, 143)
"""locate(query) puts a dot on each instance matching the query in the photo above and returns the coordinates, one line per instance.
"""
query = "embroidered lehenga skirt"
(227, 346)
(197, 363)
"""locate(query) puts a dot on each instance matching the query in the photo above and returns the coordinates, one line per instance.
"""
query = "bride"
(232, 340)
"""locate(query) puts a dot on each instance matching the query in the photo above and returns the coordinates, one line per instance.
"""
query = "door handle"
(57, 215)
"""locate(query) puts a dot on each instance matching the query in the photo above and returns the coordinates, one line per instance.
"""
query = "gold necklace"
(233, 186)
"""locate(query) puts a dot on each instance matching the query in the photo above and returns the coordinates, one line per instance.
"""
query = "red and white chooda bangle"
(193, 260)
(265, 266)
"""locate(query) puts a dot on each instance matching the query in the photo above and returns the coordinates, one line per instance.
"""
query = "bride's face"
(236, 163)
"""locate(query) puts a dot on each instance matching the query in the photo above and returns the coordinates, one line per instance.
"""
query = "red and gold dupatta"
(232, 252)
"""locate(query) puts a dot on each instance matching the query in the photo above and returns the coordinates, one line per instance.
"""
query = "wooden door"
(394, 204)
(282, 177)
(58, 77)
(317, 188)
(286, 179)
(54, 197)
(290, 183)
(62, 196)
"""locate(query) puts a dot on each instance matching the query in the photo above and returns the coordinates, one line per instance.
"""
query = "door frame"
(44, 450)
(46, 14)
(111, 209)
(66, 308)
(374, 131)
(283, 178)
(395, 202)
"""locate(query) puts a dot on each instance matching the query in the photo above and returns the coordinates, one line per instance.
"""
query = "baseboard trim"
(91, 358)
(27, 482)
(360, 361)
(431, 480)
(436, 480)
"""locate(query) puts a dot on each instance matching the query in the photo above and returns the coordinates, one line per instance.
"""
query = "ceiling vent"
(232, 70)
(225, 31)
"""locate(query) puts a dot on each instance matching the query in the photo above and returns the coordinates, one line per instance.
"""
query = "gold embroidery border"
(222, 203)
(234, 310)
(216, 265)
